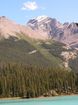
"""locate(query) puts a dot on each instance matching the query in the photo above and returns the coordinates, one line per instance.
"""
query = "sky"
(23, 10)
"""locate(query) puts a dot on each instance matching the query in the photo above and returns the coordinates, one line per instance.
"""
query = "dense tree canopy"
(28, 81)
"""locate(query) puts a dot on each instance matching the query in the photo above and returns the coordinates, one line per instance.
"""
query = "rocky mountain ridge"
(66, 33)
(41, 28)
(11, 28)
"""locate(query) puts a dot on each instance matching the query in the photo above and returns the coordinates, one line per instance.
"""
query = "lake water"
(63, 100)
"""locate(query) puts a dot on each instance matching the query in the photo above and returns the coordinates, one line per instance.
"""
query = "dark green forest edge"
(27, 82)
(28, 75)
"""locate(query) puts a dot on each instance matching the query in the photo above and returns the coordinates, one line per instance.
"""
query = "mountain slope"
(20, 51)
(19, 47)
(43, 42)
(10, 28)
(27, 52)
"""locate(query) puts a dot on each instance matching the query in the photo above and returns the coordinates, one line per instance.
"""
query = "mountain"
(38, 59)
(11, 28)
(41, 28)
(48, 25)
(43, 41)
(65, 33)
(17, 45)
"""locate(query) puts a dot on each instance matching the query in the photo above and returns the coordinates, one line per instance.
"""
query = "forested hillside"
(34, 68)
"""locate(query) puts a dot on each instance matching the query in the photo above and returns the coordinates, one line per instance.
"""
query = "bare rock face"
(10, 28)
(67, 56)
(66, 33)
(50, 26)
(6, 27)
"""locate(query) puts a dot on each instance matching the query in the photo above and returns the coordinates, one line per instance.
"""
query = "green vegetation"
(55, 48)
(27, 74)
(37, 44)
(29, 81)
(73, 63)
(14, 50)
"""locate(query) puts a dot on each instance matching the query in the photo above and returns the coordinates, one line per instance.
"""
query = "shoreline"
(40, 97)
(10, 98)
(57, 96)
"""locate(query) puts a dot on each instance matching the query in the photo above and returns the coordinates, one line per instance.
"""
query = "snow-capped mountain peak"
(41, 18)
(48, 25)
(66, 33)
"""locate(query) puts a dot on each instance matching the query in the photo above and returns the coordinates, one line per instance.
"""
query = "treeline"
(28, 81)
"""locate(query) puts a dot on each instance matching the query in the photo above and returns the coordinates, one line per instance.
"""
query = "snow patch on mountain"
(41, 18)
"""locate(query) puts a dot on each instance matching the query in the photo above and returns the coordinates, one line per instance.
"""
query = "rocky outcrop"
(50, 93)
(67, 55)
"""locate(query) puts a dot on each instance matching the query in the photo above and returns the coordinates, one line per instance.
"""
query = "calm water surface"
(63, 100)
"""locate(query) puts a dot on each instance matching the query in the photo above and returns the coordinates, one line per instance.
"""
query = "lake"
(63, 100)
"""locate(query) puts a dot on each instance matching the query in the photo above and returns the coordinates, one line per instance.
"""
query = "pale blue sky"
(23, 10)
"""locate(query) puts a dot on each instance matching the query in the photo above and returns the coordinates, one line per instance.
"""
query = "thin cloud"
(30, 6)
